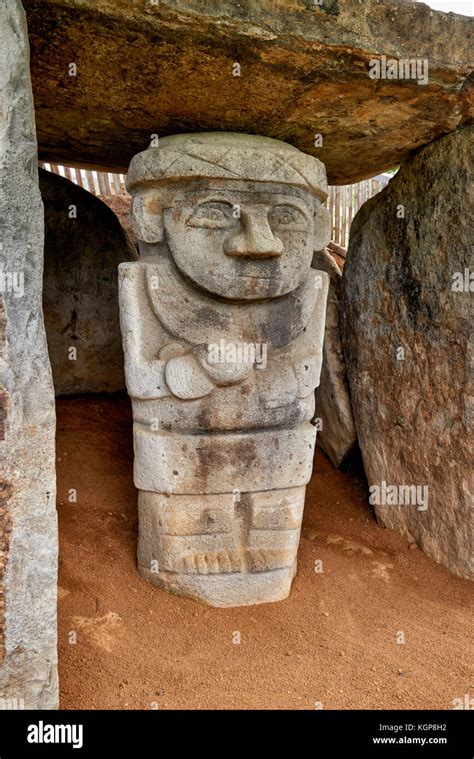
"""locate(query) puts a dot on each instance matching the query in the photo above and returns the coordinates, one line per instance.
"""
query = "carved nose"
(256, 240)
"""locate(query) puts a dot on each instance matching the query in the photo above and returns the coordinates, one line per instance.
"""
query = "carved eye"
(212, 215)
(287, 216)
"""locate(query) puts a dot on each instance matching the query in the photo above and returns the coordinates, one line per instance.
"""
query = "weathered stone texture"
(408, 315)
(337, 435)
(27, 513)
(84, 244)
(223, 443)
(120, 205)
(168, 67)
(5, 489)
(338, 253)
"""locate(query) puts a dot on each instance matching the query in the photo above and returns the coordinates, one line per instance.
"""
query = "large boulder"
(337, 435)
(407, 336)
(28, 532)
(84, 244)
(107, 76)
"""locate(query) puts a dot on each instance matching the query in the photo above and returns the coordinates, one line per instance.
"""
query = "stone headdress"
(226, 155)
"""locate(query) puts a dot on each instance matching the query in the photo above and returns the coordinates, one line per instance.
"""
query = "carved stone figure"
(223, 321)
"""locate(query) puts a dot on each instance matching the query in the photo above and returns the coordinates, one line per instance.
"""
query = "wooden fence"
(96, 182)
(344, 201)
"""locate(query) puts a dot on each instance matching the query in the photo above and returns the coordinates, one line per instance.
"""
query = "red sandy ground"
(333, 641)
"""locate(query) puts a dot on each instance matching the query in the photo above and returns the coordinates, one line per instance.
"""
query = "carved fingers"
(186, 379)
(224, 364)
(193, 372)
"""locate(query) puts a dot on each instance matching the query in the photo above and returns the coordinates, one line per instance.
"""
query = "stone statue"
(222, 321)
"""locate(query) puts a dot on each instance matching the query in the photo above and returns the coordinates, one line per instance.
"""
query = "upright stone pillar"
(408, 337)
(223, 323)
(28, 536)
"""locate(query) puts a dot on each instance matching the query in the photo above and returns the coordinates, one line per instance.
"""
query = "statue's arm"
(145, 379)
(308, 361)
(179, 369)
(296, 375)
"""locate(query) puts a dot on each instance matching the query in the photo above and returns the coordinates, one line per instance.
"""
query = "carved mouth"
(256, 276)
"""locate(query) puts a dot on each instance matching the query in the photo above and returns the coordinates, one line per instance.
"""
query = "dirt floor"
(332, 643)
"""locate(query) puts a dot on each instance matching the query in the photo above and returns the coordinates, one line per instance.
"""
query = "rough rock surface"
(407, 338)
(338, 253)
(28, 532)
(120, 205)
(84, 244)
(333, 404)
(303, 71)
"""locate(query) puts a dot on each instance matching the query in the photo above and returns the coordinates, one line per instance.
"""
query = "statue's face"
(241, 240)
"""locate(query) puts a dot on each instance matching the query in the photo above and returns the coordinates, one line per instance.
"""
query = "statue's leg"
(223, 549)
(274, 530)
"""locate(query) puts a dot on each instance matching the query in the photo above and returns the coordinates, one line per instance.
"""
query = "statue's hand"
(194, 372)
(185, 377)
(223, 370)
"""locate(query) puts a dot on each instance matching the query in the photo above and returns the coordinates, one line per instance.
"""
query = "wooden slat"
(350, 211)
(90, 182)
(344, 221)
(116, 188)
(331, 208)
(102, 183)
